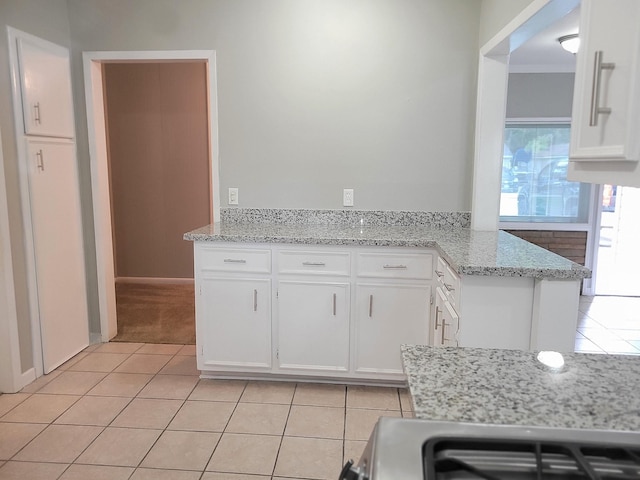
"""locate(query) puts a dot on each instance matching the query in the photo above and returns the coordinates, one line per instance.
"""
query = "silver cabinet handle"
(313, 264)
(437, 312)
(396, 267)
(334, 304)
(370, 305)
(439, 274)
(40, 160)
(449, 287)
(596, 109)
(443, 339)
(255, 300)
(234, 260)
(36, 117)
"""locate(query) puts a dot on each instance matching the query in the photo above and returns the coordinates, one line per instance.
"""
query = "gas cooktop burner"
(410, 449)
(459, 458)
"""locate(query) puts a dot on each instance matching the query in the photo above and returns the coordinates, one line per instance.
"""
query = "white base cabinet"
(233, 308)
(291, 311)
(235, 322)
(388, 315)
(313, 326)
(339, 313)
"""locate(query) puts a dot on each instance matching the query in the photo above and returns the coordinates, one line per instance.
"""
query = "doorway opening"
(106, 190)
(157, 139)
(618, 260)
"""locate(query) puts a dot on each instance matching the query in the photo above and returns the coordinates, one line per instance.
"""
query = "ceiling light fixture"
(570, 43)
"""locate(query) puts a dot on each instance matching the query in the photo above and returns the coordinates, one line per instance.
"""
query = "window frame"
(508, 224)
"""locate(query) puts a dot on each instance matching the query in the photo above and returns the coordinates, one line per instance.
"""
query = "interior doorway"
(157, 138)
(98, 148)
(618, 260)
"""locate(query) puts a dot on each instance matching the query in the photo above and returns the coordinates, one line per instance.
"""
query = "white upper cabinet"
(605, 144)
(45, 82)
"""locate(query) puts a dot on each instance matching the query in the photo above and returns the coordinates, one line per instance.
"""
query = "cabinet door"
(59, 250)
(609, 32)
(45, 81)
(313, 326)
(387, 316)
(446, 322)
(234, 322)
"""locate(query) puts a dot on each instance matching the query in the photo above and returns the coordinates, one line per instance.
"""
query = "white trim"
(98, 159)
(155, 280)
(493, 73)
(538, 120)
(27, 377)
(560, 227)
(542, 68)
(593, 242)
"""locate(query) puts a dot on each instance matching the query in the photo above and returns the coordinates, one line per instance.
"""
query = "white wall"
(49, 20)
(496, 14)
(540, 95)
(316, 96)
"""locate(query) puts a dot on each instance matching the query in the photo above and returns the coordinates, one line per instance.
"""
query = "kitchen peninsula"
(331, 294)
(512, 387)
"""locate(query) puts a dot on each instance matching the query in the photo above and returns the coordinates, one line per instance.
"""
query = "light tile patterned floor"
(139, 411)
(609, 325)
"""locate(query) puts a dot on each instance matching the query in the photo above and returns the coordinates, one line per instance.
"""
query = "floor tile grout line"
(284, 429)
(225, 426)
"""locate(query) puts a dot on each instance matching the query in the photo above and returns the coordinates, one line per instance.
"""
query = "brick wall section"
(571, 245)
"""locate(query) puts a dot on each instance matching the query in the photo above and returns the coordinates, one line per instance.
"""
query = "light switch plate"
(233, 196)
(347, 197)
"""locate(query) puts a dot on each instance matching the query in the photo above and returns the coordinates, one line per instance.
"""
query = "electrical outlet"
(347, 197)
(233, 196)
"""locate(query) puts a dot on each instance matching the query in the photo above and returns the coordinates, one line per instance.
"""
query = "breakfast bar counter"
(513, 387)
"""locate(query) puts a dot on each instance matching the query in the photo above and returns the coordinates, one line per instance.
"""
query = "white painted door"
(58, 247)
(313, 326)
(234, 322)
(45, 83)
(388, 316)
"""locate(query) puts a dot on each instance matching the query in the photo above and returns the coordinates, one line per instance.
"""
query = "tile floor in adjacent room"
(139, 411)
(608, 324)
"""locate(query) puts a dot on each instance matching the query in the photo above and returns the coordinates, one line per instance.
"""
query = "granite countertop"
(468, 252)
(511, 387)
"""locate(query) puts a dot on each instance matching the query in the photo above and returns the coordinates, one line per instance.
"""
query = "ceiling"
(543, 53)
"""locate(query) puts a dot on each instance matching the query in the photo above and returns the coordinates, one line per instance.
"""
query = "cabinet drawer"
(448, 280)
(314, 263)
(233, 260)
(395, 265)
(451, 285)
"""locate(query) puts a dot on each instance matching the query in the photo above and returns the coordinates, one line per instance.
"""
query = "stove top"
(492, 459)
(420, 449)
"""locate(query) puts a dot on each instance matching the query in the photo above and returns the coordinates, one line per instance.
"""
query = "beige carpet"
(155, 313)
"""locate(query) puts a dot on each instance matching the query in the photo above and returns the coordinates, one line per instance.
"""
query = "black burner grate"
(473, 459)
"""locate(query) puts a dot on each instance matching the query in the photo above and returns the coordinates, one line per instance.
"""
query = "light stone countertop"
(468, 252)
(511, 387)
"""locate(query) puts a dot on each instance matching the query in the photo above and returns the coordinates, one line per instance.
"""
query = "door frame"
(493, 75)
(96, 126)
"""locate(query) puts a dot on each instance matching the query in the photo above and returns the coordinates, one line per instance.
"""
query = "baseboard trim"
(156, 280)
(27, 377)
